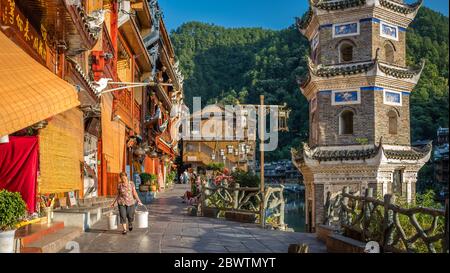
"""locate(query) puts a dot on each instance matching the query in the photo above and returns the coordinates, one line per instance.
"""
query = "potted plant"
(12, 211)
(145, 182)
(170, 179)
(154, 184)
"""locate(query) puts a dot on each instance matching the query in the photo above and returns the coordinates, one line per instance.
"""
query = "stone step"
(31, 233)
(94, 201)
(53, 242)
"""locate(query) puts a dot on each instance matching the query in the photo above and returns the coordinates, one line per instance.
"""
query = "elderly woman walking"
(126, 200)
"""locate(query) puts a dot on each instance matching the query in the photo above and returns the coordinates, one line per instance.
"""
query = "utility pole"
(262, 119)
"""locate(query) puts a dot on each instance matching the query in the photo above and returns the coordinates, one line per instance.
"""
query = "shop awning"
(29, 92)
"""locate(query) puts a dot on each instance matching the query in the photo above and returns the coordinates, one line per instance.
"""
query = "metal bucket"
(142, 218)
(112, 222)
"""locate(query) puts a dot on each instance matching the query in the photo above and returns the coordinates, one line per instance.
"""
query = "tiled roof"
(401, 7)
(341, 155)
(321, 154)
(401, 73)
(413, 154)
(83, 75)
(334, 155)
(302, 23)
(337, 5)
(342, 69)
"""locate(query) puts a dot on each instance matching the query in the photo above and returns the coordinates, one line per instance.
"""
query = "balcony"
(142, 9)
(74, 29)
(131, 33)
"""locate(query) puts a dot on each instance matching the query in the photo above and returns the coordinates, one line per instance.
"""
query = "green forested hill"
(226, 65)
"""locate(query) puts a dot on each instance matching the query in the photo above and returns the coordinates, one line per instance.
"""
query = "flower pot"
(7, 241)
(153, 188)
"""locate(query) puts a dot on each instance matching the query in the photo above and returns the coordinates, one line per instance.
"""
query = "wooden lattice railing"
(246, 200)
(395, 228)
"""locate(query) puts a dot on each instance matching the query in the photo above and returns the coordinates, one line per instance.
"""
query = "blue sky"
(273, 14)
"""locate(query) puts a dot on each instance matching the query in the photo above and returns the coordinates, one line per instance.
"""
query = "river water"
(294, 210)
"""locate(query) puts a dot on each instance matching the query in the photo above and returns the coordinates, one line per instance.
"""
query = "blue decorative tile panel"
(394, 98)
(389, 31)
(345, 97)
(346, 29)
(372, 88)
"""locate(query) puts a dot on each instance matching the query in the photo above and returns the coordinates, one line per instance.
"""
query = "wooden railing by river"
(245, 201)
(395, 228)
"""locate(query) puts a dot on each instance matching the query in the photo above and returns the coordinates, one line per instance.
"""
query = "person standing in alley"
(126, 200)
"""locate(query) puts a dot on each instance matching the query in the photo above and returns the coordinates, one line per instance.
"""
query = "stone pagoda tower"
(358, 90)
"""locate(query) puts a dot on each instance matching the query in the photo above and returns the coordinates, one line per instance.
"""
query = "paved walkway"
(171, 230)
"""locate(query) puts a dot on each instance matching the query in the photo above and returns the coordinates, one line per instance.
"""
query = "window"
(346, 53)
(389, 53)
(397, 182)
(346, 123)
(392, 115)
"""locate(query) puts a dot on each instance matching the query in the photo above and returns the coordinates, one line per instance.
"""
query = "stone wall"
(319, 203)
(329, 46)
(399, 46)
(328, 121)
(403, 136)
(366, 44)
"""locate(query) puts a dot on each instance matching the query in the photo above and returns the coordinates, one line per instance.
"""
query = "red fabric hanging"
(19, 166)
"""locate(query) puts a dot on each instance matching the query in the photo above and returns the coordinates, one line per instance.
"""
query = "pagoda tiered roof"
(401, 72)
(346, 69)
(325, 6)
(410, 154)
(403, 8)
(324, 154)
(302, 23)
(340, 69)
(339, 5)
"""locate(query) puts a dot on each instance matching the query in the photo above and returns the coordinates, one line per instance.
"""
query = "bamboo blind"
(29, 92)
(113, 137)
(61, 153)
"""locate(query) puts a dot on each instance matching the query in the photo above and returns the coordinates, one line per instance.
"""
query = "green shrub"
(12, 209)
(147, 178)
(246, 179)
(171, 177)
(427, 199)
(215, 167)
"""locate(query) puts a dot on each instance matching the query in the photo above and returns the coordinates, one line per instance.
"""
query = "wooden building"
(211, 145)
(55, 56)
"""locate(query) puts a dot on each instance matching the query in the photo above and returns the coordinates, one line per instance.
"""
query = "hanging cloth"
(19, 166)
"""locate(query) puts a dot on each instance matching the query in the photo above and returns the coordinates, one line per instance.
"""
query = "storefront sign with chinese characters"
(10, 16)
